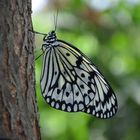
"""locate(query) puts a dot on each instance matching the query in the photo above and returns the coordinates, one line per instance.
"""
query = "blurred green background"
(108, 32)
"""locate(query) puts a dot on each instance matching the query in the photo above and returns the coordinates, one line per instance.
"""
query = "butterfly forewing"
(70, 82)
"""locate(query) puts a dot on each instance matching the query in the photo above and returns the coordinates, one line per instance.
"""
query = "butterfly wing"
(70, 82)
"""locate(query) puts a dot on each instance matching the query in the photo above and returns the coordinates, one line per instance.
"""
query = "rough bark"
(18, 109)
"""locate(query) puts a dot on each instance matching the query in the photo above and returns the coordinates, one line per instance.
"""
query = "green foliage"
(111, 38)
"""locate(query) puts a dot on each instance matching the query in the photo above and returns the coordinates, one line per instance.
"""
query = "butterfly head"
(50, 38)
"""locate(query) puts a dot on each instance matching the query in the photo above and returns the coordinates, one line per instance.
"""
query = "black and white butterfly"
(70, 81)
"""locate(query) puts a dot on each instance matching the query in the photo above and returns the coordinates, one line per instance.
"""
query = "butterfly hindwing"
(66, 87)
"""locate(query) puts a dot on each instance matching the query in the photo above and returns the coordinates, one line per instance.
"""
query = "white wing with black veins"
(70, 82)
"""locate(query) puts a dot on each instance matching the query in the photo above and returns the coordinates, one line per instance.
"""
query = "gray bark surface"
(18, 109)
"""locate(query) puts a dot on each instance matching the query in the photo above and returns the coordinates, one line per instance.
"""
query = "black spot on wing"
(58, 91)
(67, 54)
(67, 94)
(82, 86)
(77, 93)
(82, 75)
(79, 61)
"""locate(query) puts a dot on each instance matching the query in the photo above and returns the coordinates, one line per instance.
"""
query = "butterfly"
(71, 82)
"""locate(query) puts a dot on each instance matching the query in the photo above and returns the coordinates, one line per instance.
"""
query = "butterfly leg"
(43, 51)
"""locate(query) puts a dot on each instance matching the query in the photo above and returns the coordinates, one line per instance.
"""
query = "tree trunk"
(18, 109)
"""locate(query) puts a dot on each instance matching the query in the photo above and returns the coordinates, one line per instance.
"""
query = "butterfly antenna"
(55, 20)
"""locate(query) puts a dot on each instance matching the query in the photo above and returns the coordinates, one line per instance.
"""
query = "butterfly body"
(70, 81)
